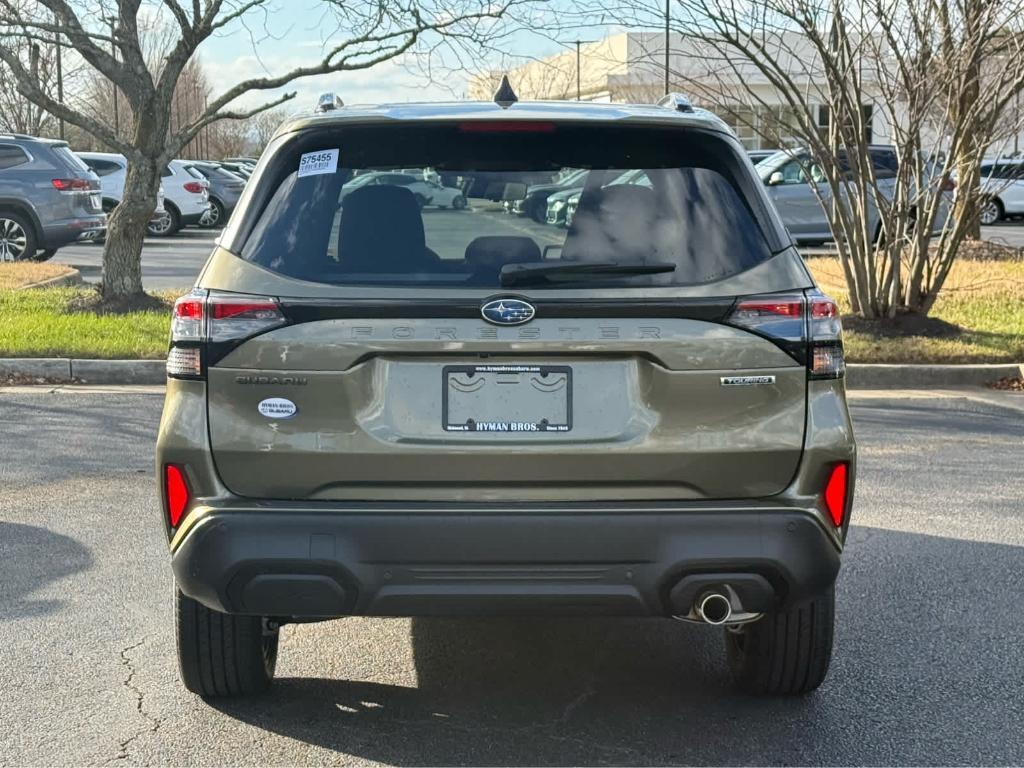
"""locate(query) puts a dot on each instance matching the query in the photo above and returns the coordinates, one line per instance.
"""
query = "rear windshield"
(466, 204)
(73, 161)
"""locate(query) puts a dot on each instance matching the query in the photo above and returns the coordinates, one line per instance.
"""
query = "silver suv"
(48, 198)
(374, 409)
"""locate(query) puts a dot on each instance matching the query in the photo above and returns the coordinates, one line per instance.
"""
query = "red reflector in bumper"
(835, 493)
(176, 490)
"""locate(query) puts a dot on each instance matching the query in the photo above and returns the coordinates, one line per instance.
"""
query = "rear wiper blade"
(520, 274)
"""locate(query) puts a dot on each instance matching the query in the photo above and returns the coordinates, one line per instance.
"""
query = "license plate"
(506, 398)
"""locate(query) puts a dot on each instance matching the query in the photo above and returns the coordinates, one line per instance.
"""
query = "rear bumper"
(409, 560)
(69, 231)
(187, 219)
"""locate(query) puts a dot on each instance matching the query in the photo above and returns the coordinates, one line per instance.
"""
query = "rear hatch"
(79, 186)
(356, 347)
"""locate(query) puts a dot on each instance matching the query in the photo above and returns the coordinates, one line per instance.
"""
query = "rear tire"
(214, 216)
(17, 237)
(166, 225)
(991, 211)
(785, 652)
(220, 654)
(459, 203)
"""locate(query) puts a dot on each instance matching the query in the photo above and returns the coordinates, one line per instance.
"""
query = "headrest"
(381, 230)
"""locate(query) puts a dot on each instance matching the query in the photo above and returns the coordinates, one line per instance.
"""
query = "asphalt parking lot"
(929, 666)
(172, 263)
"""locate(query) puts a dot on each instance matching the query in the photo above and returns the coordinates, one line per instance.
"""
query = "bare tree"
(39, 58)
(263, 126)
(821, 73)
(360, 34)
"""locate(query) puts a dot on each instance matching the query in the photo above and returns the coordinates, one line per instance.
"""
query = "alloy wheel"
(161, 225)
(212, 216)
(989, 212)
(13, 240)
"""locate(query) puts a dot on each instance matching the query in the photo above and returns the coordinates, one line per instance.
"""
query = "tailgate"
(442, 409)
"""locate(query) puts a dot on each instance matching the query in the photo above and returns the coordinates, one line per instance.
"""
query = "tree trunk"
(126, 228)
(968, 177)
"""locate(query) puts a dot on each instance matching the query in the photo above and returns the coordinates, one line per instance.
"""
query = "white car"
(427, 192)
(113, 170)
(186, 198)
(1002, 185)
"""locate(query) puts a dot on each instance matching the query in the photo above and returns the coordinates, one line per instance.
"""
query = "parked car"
(558, 203)
(225, 190)
(425, 192)
(251, 161)
(562, 205)
(371, 411)
(535, 202)
(242, 170)
(1002, 187)
(186, 198)
(757, 155)
(112, 170)
(790, 174)
(48, 198)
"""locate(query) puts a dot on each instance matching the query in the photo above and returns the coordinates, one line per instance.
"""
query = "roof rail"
(328, 102)
(676, 101)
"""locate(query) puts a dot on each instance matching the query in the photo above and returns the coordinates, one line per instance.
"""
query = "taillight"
(176, 494)
(205, 325)
(72, 185)
(807, 327)
(193, 186)
(836, 493)
(825, 331)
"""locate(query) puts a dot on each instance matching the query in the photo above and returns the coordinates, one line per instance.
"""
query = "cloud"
(391, 81)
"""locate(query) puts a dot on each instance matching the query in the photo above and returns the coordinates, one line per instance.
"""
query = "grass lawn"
(984, 298)
(34, 323)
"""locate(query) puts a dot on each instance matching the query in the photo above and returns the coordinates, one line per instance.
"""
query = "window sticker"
(316, 163)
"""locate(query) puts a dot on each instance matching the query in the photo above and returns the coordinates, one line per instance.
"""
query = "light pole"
(1016, 118)
(60, 77)
(112, 20)
(579, 66)
(578, 44)
(668, 19)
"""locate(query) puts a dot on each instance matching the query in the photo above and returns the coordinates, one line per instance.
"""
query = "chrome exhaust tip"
(714, 608)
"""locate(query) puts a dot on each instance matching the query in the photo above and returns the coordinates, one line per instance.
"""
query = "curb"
(61, 370)
(73, 277)
(858, 375)
(897, 376)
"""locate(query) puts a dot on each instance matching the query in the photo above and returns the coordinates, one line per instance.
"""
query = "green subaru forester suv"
(376, 408)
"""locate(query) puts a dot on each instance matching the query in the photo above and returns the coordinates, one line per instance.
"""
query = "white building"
(630, 67)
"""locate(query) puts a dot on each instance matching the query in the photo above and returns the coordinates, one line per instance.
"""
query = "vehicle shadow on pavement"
(928, 670)
(30, 558)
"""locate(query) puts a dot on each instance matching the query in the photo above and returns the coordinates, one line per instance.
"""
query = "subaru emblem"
(507, 311)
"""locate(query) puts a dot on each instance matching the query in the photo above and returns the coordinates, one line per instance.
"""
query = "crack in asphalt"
(154, 722)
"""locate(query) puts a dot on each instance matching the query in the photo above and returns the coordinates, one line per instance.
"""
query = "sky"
(293, 32)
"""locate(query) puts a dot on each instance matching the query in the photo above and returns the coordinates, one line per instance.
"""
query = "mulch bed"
(1008, 384)
(902, 325)
(93, 302)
